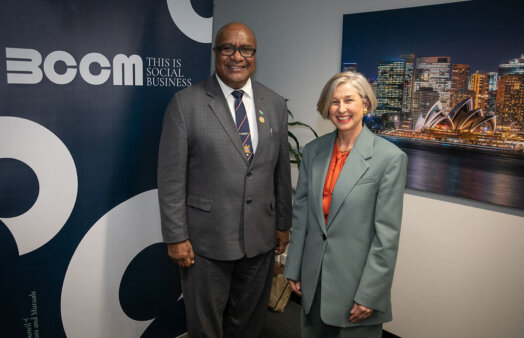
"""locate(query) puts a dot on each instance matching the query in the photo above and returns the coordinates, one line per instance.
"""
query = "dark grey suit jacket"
(208, 192)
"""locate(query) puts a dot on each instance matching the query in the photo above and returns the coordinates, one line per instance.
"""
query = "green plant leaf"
(294, 144)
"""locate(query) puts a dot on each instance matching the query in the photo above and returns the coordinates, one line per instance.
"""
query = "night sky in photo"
(480, 33)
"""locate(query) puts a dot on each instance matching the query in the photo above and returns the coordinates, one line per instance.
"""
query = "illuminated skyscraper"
(423, 99)
(510, 94)
(493, 77)
(407, 91)
(492, 92)
(479, 85)
(510, 101)
(434, 72)
(390, 86)
(459, 84)
(459, 76)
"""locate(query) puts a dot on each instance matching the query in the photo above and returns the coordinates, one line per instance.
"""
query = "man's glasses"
(246, 52)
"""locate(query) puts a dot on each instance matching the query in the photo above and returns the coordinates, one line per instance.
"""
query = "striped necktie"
(243, 125)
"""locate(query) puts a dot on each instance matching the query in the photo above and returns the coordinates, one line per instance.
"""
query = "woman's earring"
(365, 111)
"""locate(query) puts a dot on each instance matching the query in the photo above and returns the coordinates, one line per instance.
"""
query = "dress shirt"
(249, 104)
(338, 159)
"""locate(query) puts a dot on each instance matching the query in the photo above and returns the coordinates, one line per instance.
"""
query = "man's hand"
(359, 312)
(182, 253)
(295, 286)
(282, 241)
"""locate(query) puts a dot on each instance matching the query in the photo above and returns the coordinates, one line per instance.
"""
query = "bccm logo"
(23, 67)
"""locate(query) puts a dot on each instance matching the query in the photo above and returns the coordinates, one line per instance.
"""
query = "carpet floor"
(283, 324)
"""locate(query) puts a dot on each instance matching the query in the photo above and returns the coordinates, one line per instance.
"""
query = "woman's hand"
(295, 286)
(359, 312)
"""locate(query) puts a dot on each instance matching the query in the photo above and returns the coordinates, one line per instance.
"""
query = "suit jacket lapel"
(356, 165)
(263, 122)
(218, 105)
(319, 168)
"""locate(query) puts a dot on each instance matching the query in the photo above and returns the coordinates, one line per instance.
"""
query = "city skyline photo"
(449, 80)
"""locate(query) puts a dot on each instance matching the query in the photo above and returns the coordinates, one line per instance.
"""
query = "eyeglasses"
(227, 50)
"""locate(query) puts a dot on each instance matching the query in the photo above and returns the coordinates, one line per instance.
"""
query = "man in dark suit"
(225, 190)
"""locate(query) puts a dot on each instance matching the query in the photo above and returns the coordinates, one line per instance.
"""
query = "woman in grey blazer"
(346, 218)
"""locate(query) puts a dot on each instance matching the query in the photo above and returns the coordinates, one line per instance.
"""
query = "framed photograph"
(449, 80)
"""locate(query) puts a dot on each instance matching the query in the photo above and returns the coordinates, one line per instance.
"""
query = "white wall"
(460, 266)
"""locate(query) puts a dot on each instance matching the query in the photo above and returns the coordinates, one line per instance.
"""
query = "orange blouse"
(335, 167)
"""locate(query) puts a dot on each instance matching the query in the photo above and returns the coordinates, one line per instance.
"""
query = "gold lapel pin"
(261, 119)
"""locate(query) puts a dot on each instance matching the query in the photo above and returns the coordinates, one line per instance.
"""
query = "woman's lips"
(344, 119)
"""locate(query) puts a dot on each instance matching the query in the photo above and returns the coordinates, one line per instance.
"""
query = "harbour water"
(475, 173)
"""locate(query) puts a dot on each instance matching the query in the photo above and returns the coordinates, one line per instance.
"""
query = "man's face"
(235, 70)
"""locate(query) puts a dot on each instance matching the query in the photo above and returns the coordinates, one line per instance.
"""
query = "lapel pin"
(261, 119)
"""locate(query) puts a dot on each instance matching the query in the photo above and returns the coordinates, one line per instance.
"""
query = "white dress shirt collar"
(249, 104)
(247, 88)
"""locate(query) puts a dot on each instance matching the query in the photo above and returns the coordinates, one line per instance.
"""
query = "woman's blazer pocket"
(367, 180)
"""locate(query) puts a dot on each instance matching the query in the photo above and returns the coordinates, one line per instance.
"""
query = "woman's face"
(346, 109)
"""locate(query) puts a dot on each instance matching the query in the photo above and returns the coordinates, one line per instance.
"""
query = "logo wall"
(83, 89)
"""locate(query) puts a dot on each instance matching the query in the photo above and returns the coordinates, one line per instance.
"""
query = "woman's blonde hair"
(356, 80)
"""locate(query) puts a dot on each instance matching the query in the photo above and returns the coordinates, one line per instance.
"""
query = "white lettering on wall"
(24, 66)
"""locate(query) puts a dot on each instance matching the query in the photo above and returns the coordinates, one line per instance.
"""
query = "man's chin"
(237, 74)
(238, 79)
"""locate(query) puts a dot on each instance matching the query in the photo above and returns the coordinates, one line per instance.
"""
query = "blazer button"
(250, 173)
(324, 236)
(249, 200)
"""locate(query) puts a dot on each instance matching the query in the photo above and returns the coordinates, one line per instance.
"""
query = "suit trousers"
(313, 327)
(227, 298)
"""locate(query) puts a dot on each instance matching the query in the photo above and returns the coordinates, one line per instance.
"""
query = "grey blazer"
(207, 190)
(354, 254)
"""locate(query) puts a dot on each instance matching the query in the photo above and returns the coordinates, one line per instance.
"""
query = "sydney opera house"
(463, 117)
